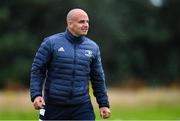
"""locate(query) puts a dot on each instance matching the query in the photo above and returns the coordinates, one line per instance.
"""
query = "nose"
(86, 24)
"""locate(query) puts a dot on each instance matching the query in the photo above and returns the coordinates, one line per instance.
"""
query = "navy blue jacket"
(64, 64)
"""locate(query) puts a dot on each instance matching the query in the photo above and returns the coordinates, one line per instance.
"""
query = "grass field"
(125, 105)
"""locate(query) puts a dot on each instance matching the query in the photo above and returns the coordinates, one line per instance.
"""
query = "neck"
(73, 38)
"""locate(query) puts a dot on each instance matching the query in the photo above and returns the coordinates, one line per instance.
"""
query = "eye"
(84, 21)
(81, 21)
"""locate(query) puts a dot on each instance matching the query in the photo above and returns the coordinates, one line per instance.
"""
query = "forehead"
(80, 16)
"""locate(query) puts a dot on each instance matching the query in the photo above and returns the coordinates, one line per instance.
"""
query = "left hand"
(105, 112)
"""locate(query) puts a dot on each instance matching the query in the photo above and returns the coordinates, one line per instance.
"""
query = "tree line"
(138, 41)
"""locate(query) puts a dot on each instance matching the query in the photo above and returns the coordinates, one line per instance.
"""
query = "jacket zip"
(72, 82)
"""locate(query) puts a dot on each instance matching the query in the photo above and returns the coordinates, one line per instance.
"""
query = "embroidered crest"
(88, 53)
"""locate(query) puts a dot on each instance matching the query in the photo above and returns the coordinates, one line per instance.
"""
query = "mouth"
(84, 30)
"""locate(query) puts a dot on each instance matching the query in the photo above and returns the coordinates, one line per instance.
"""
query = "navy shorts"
(83, 111)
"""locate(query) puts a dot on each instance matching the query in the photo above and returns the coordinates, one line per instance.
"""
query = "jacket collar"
(72, 38)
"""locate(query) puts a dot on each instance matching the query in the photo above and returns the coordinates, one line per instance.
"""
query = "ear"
(69, 23)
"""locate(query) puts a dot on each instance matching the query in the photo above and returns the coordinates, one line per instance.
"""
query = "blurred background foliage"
(139, 39)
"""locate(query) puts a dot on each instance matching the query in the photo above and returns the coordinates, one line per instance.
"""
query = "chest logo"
(88, 53)
(61, 49)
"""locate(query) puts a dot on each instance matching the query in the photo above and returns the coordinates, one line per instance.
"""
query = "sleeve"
(39, 69)
(98, 81)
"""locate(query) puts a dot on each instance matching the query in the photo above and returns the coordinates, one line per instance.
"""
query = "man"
(64, 64)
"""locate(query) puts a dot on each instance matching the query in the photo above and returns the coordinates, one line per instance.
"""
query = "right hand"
(38, 102)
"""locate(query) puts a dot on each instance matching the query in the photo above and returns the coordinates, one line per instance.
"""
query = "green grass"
(160, 112)
(144, 112)
(143, 105)
(155, 112)
(18, 115)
